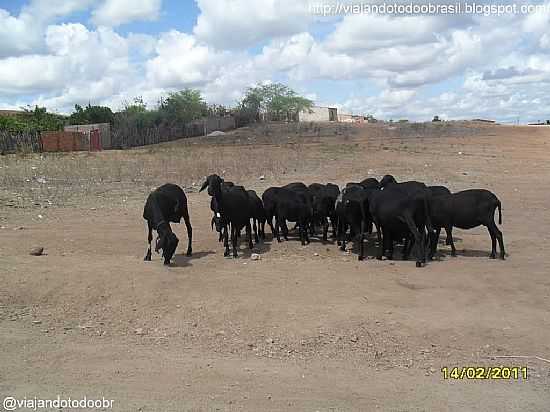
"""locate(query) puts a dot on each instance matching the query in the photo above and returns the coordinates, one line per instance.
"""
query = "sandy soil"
(304, 328)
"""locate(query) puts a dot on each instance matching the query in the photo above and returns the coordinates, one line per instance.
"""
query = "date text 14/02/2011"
(485, 372)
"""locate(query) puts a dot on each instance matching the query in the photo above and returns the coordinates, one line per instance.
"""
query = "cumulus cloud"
(181, 61)
(24, 33)
(242, 23)
(117, 12)
(415, 66)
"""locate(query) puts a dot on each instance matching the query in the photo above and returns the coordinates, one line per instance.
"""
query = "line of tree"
(32, 120)
(268, 102)
(271, 102)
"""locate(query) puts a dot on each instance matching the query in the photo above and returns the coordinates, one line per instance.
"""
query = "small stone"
(139, 331)
(316, 254)
(40, 217)
(262, 177)
(36, 322)
(255, 256)
(37, 251)
(354, 338)
(270, 340)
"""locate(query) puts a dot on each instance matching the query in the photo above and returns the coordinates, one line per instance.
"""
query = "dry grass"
(59, 179)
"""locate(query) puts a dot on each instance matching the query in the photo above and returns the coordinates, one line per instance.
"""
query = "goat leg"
(225, 240)
(147, 257)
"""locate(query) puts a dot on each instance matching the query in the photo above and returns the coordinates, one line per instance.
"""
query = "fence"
(125, 136)
(121, 136)
(12, 142)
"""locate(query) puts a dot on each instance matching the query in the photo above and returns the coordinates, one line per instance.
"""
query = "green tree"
(91, 114)
(183, 106)
(273, 101)
(37, 119)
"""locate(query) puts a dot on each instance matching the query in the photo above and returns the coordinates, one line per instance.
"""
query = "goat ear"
(204, 186)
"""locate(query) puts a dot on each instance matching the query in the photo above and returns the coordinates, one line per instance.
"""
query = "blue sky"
(57, 53)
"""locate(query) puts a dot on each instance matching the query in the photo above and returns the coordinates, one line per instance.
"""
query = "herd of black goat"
(408, 212)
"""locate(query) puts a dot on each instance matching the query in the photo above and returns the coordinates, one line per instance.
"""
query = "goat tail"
(499, 205)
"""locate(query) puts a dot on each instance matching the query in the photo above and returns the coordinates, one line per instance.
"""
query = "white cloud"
(117, 12)
(23, 34)
(80, 66)
(30, 74)
(367, 32)
(242, 23)
(182, 61)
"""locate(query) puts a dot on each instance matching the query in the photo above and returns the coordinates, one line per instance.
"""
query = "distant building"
(345, 117)
(483, 120)
(319, 114)
(11, 112)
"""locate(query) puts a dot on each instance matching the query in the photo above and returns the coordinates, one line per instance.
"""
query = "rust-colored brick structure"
(64, 141)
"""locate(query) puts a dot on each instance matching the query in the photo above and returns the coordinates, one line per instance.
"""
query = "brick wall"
(64, 141)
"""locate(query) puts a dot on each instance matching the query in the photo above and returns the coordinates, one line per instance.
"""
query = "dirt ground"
(303, 328)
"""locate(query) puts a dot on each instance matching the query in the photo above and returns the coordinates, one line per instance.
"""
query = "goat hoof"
(166, 263)
(418, 264)
(226, 254)
(189, 252)
(492, 256)
(361, 258)
(378, 257)
(147, 258)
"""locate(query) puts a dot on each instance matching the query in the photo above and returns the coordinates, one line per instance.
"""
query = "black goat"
(370, 183)
(398, 215)
(285, 204)
(233, 205)
(216, 218)
(258, 215)
(324, 200)
(166, 204)
(438, 191)
(412, 188)
(303, 191)
(466, 210)
(352, 211)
